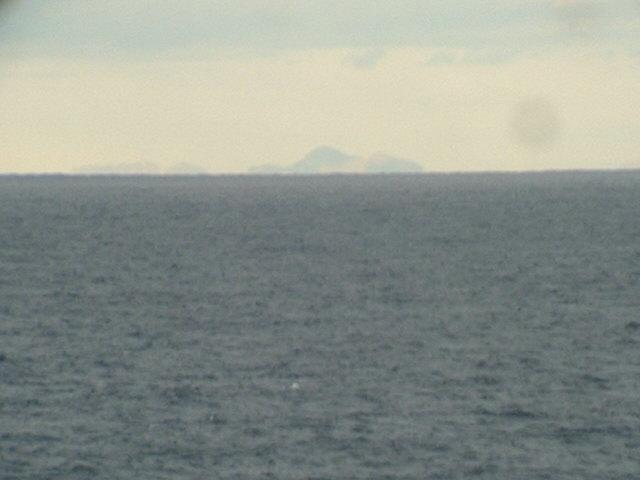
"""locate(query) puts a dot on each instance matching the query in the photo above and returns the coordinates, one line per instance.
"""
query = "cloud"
(146, 28)
(443, 57)
(581, 18)
(367, 59)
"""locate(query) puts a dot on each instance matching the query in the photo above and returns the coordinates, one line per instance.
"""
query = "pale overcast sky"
(228, 85)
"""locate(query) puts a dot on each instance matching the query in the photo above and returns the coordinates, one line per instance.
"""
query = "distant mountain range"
(320, 160)
(141, 169)
(331, 160)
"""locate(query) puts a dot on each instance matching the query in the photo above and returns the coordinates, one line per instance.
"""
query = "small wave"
(489, 380)
(514, 412)
(481, 470)
(585, 434)
(84, 469)
(29, 437)
(595, 380)
(517, 412)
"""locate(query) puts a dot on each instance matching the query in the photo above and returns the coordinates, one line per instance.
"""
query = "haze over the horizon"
(224, 86)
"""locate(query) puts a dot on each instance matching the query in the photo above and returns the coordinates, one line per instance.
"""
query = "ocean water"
(398, 327)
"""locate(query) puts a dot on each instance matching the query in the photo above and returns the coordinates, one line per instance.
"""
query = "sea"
(320, 327)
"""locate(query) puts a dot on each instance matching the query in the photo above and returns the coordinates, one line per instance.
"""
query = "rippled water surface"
(441, 327)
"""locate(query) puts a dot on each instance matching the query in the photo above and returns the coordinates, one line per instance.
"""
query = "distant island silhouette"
(326, 159)
(320, 160)
(142, 168)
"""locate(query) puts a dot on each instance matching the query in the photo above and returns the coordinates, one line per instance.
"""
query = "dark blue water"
(445, 327)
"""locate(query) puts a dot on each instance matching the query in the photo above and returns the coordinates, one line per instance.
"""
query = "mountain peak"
(322, 159)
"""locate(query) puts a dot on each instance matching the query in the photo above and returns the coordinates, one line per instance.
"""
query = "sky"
(224, 86)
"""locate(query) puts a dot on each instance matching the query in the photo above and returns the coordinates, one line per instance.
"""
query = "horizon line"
(324, 174)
